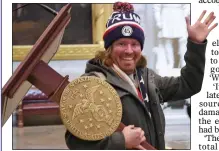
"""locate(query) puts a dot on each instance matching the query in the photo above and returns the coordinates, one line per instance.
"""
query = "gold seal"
(90, 108)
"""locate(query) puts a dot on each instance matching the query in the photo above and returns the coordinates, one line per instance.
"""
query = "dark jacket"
(160, 89)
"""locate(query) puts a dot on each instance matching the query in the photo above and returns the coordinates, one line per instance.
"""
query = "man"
(140, 89)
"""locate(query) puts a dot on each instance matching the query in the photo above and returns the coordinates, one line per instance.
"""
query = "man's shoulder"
(148, 71)
(151, 75)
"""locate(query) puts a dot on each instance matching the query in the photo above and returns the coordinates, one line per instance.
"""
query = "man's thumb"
(187, 21)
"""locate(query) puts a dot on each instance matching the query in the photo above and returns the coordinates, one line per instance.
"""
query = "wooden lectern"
(34, 70)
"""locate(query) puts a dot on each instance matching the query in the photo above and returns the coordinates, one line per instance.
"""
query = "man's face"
(126, 52)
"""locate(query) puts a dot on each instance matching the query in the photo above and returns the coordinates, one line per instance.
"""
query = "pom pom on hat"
(123, 23)
(123, 7)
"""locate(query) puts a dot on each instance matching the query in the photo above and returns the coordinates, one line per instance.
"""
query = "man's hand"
(139, 147)
(200, 30)
(133, 137)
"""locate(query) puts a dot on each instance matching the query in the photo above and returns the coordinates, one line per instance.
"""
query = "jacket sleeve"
(114, 142)
(191, 78)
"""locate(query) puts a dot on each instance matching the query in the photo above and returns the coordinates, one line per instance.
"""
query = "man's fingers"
(140, 147)
(138, 132)
(208, 18)
(131, 126)
(211, 20)
(187, 20)
(202, 15)
(212, 27)
(142, 133)
(143, 139)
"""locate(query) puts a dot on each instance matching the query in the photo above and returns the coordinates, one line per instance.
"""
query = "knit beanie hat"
(123, 23)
